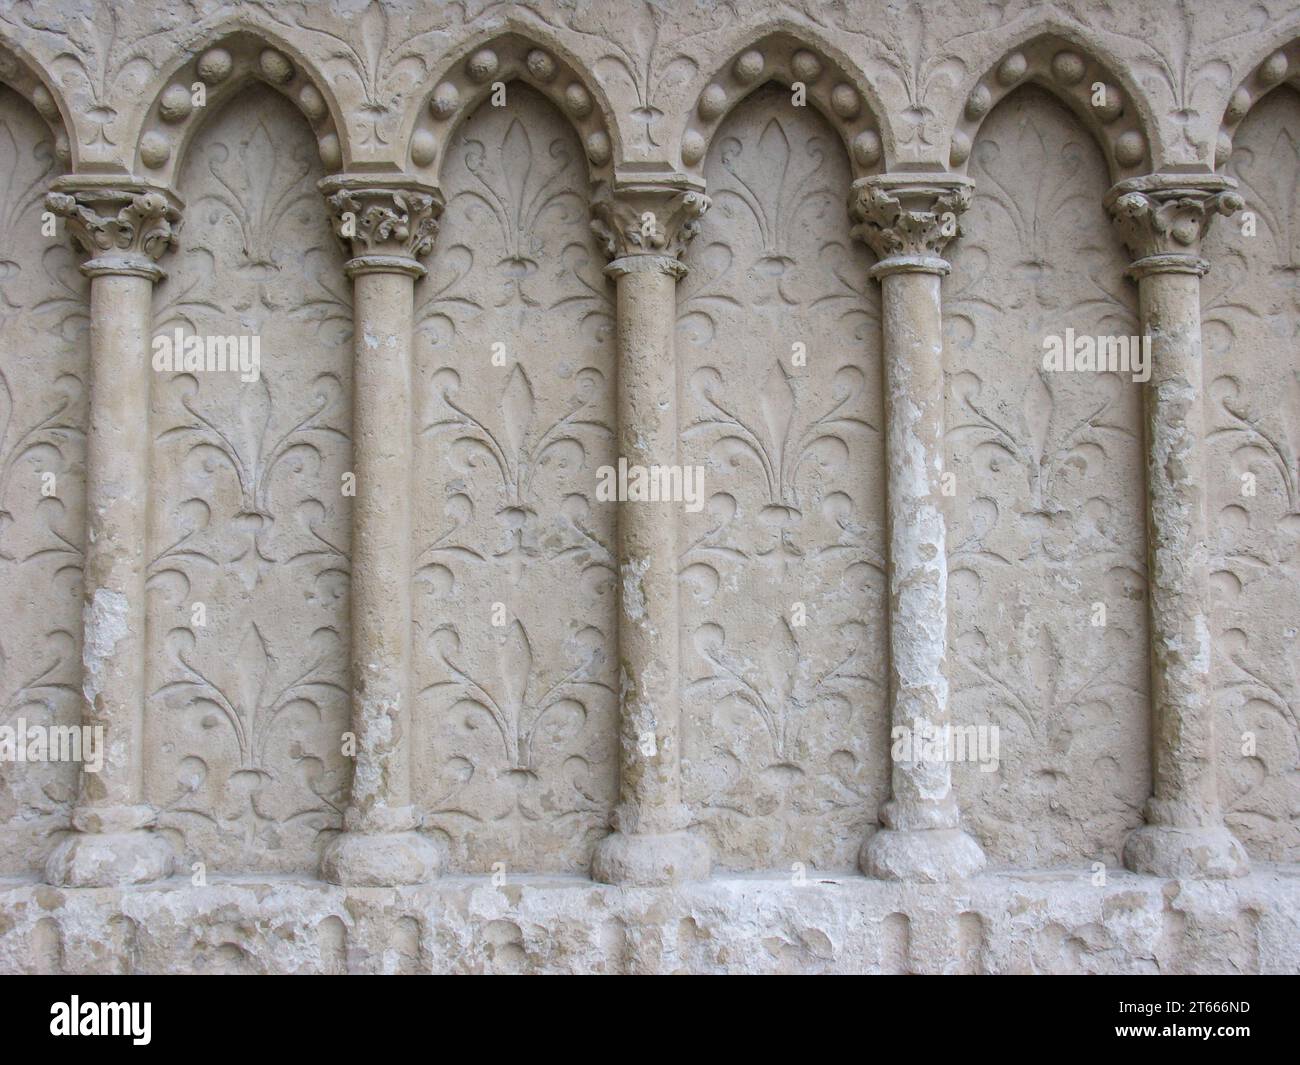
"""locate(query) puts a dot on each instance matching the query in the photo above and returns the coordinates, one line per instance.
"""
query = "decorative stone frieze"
(213, 75)
(1101, 97)
(492, 69)
(814, 77)
(610, 236)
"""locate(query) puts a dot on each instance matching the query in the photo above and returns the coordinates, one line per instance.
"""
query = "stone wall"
(380, 676)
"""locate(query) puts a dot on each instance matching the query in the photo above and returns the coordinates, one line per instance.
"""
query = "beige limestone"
(1162, 222)
(124, 231)
(908, 222)
(378, 667)
(783, 568)
(1047, 517)
(642, 226)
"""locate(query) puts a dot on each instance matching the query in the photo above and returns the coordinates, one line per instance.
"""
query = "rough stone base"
(995, 923)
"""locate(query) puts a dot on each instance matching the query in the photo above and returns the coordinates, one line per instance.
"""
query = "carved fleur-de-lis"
(1270, 433)
(101, 57)
(518, 446)
(25, 174)
(44, 681)
(778, 186)
(642, 50)
(519, 701)
(1035, 690)
(1276, 685)
(773, 436)
(384, 51)
(44, 442)
(257, 699)
(522, 191)
(254, 447)
(777, 683)
(1179, 57)
(1042, 438)
(252, 691)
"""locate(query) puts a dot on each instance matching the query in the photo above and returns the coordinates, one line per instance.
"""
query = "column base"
(110, 859)
(1185, 853)
(381, 859)
(643, 860)
(928, 856)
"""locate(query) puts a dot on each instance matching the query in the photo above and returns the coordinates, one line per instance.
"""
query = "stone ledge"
(1042, 922)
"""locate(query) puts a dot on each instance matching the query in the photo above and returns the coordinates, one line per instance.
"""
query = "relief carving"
(782, 570)
(248, 696)
(143, 224)
(624, 227)
(1253, 438)
(1047, 518)
(517, 694)
(43, 373)
(632, 221)
(916, 222)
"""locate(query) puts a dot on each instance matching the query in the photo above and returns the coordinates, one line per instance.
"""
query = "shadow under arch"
(482, 70)
(833, 86)
(216, 73)
(24, 76)
(1105, 100)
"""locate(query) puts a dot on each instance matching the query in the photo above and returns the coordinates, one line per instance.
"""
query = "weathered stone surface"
(387, 682)
(1043, 923)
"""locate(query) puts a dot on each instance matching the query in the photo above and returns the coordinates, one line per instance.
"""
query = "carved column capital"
(650, 221)
(121, 228)
(384, 224)
(1162, 219)
(908, 219)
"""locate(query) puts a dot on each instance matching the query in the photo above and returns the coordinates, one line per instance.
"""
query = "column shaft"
(117, 506)
(381, 537)
(649, 788)
(1183, 727)
(918, 565)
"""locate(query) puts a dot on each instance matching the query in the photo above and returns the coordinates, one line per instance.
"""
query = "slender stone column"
(1162, 220)
(124, 229)
(388, 225)
(908, 220)
(645, 228)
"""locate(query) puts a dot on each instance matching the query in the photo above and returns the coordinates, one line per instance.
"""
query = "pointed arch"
(831, 84)
(24, 75)
(218, 70)
(469, 76)
(1104, 98)
(1278, 65)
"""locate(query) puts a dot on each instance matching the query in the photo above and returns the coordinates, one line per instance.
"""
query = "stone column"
(908, 220)
(1162, 219)
(388, 225)
(124, 229)
(645, 228)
